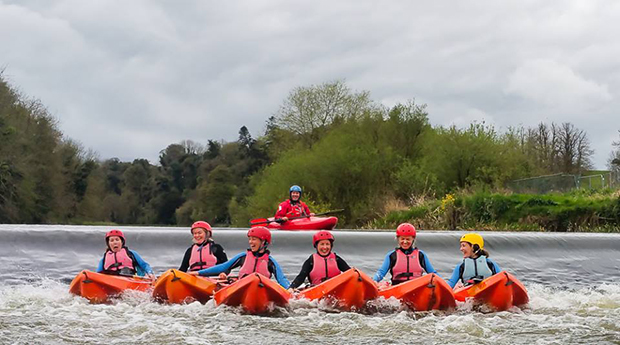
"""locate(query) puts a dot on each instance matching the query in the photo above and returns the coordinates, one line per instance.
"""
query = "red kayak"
(350, 289)
(99, 287)
(501, 291)
(428, 292)
(308, 223)
(175, 286)
(255, 293)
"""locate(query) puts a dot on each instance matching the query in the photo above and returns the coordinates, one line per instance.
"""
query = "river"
(573, 281)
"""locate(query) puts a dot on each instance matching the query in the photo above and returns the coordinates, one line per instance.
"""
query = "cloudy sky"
(127, 78)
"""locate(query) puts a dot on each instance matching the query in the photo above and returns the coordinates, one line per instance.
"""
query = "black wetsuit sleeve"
(236, 264)
(422, 260)
(342, 265)
(218, 252)
(306, 268)
(492, 267)
(185, 263)
(392, 261)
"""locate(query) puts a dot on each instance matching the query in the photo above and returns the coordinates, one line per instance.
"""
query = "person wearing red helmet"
(293, 207)
(204, 252)
(256, 259)
(120, 260)
(322, 265)
(405, 262)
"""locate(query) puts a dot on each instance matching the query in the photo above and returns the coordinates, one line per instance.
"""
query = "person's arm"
(143, 265)
(224, 267)
(282, 210)
(100, 266)
(306, 209)
(306, 268)
(493, 266)
(456, 275)
(342, 265)
(426, 263)
(185, 262)
(279, 274)
(385, 267)
(219, 253)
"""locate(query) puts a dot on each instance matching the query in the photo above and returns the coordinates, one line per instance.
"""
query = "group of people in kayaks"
(207, 258)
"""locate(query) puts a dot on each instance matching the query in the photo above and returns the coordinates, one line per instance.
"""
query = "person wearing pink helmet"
(120, 260)
(405, 262)
(322, 265)
(257, 259)
(204, 252)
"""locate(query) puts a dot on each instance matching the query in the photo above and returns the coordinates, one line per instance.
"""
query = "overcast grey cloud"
(127, 78)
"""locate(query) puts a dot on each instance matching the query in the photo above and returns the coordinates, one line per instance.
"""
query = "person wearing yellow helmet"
(476, 265)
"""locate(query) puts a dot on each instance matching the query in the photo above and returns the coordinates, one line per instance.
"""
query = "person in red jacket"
(293, 207)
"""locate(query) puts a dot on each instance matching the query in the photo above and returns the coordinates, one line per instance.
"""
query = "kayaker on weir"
(323, 264)
(476, 265)
(120, 260)
(293, 207)
(405, 262)
(256, 259)
(204, 252)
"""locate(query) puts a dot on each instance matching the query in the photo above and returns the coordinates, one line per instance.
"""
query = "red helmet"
(261, 232)
(115, 233)
(201, 224)
(322, 235)
(405, 229)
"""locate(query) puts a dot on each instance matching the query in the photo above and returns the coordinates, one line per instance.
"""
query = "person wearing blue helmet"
(293, 207)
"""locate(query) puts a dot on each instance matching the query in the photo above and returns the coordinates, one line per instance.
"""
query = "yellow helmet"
(473, 238)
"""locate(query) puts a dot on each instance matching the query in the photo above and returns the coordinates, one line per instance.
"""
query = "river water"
(573, 282)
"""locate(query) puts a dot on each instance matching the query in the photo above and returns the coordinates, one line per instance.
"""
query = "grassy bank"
(579, 210)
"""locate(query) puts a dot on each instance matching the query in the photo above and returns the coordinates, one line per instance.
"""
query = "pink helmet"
(261, 232)
(203, 225)
(322, 235)
(114, 233)
(405, 229)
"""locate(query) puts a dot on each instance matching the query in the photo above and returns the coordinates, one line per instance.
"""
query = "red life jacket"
(255, 264)
(289, 209)
(407, 266)
(323, 268)
(116, 261)
(201, 257)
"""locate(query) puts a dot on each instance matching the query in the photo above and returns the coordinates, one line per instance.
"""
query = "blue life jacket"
(475, 268)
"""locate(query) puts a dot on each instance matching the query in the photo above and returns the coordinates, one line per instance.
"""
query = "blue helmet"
(295, 188)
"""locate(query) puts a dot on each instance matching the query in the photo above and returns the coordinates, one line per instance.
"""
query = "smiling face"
(467, 249)
(115, 243)
(255, 243)
(324, 247)
(405, 242)
(295, 196)
(200, 235)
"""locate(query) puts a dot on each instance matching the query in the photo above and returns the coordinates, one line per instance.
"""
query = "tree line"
(344, 149)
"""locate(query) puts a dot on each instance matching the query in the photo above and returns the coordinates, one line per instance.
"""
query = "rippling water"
(573, 282)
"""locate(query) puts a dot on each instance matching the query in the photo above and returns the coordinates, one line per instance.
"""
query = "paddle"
(258, 221)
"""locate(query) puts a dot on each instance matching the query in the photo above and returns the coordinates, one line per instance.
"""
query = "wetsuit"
(307, 267)
(457, 274)
(142, 267)
(239, 260)
(216, 249)
(390, 261)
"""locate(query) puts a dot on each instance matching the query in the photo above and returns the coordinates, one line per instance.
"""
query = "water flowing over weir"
(573, 281)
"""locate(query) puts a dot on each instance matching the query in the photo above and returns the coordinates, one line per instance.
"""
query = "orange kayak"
(501, 291)
(351, 289)
(255, 293)
(175, 286)
(99, 287)
(428, 292)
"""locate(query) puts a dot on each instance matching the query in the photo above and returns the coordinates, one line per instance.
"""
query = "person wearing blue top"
(405, 262)
(120, 260)
(476, 265)
(256, 259)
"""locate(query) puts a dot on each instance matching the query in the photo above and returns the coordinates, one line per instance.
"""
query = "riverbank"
(579, 210)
